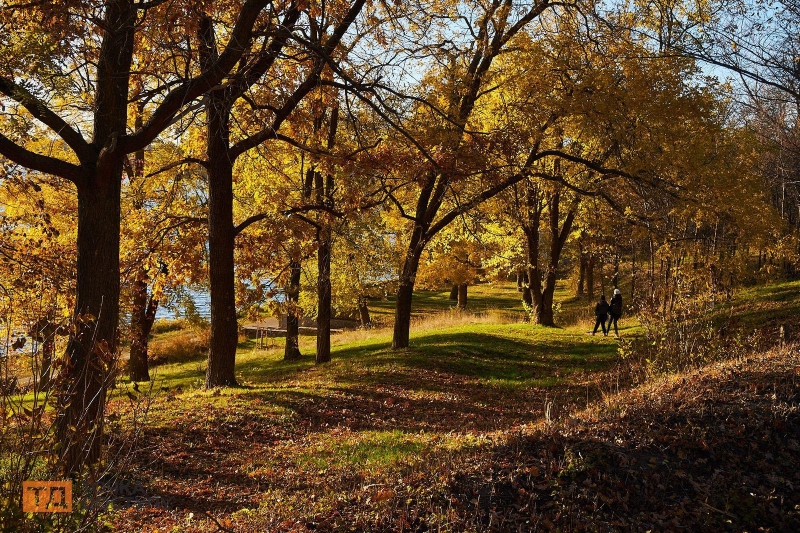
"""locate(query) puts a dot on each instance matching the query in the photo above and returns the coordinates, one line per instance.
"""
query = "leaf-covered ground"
(478, 427)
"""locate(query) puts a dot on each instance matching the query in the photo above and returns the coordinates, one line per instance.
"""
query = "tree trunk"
(92, 347)
(143, 315)
(590, 277)
(462, 296)
(633, 270)
(324, 297)
(291, 350)
(224, 327)
(526, 296)
(454, 292)
(558, 238)
(530, 228)
(402, 320)
(325, 197)
(405, 291)
(581, 276)
(363, 312)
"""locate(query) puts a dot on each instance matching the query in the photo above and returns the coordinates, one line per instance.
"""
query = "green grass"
(516, 355)
(502, 296)
(766, 304)
(369, 449)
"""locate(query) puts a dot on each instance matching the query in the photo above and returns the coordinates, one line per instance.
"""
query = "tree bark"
(402, 321)
(143, 315)
(325, 198)
(221, 235)
(291, 350)
(590, 277)
(462, 296)
(405, 292)
(324, 297)
(92, 347)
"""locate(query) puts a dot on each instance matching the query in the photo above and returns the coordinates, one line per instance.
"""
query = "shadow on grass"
(489, 356)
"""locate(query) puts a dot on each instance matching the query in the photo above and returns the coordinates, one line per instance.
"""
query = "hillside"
(479, 426)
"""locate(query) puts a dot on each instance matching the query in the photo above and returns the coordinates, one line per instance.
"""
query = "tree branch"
(41, 163)
(191, 89)
(46, 116)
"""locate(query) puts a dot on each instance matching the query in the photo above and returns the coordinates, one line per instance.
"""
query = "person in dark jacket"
(615, 309)
(601, 312)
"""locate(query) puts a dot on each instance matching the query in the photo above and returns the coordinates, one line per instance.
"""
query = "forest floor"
(483, 424)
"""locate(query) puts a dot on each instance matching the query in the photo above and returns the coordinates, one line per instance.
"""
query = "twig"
(726, 513)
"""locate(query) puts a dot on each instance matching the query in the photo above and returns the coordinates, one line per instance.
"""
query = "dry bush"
(179, 346)
(687, 337)
(167, 325)
(30, 448)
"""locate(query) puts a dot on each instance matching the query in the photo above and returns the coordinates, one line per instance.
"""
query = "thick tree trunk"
(402, 320)
(221, 235)
(324, 297)
(224, 327)
(462, 296)
(405, 293)
(291, 350)
(92, 347)
(363, 311)
(143, 315)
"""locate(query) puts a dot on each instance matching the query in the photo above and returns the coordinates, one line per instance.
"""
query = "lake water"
(201, 301)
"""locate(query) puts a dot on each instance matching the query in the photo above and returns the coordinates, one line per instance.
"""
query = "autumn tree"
(77, 85)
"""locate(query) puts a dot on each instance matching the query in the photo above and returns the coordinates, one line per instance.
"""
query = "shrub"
(179, 346)
(167, 325)
(689, 336)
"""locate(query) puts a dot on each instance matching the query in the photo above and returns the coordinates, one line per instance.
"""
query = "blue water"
(201, 301)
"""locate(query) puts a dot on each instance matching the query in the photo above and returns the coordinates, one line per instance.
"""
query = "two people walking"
(604, 309)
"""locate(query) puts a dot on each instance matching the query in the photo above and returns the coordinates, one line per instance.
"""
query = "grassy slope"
(453, 433)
